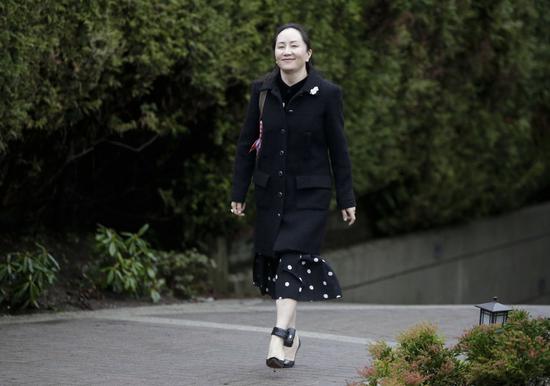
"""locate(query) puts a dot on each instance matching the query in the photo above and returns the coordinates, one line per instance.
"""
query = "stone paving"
(221, 342)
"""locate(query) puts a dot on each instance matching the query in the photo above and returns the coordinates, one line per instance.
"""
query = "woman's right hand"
(237, 208)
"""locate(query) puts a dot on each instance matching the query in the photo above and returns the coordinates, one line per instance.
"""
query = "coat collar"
(270, 83)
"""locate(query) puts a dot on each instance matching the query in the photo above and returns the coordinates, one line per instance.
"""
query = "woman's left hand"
(348, 214)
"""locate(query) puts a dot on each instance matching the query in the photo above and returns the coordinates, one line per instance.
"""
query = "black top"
(287, 92)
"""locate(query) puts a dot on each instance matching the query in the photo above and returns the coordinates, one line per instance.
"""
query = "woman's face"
(291, 53)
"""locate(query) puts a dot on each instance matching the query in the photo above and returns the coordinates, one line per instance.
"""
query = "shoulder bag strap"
(263, 95)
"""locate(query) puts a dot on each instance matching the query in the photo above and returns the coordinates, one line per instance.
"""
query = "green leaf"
(143, 229)
(112, 249)
(155, 296)
(110, 276)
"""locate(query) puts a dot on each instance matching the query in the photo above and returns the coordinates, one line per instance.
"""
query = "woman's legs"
(286, 313)
(290, 352)
(286, 317)
(292, 323)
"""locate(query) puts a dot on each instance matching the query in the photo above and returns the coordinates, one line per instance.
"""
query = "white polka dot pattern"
(286, 278)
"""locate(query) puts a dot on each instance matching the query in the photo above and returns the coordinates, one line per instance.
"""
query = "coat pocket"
(313, 192)
(261, 191)
(261, 178)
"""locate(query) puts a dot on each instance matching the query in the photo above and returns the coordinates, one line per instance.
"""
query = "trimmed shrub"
(515, 354)
(420, 358)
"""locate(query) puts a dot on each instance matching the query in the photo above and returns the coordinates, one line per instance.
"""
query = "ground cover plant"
(127, 263)
(24, 276)
(105, 269)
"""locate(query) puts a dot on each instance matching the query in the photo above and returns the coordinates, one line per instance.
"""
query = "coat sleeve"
(338, 148)
(245, 160)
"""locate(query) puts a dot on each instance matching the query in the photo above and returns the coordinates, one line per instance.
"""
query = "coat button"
(280, 194)
(280, 173)
(283, 131)
(282, 152)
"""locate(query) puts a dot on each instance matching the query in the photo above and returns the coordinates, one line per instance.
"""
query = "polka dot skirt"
(294, 275)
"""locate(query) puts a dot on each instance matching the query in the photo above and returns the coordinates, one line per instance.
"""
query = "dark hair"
(296, 26)
(300, 28)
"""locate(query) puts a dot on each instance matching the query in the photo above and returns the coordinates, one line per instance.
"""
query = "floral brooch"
(314, 90)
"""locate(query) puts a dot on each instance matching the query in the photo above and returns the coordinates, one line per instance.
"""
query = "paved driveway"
(212, 343)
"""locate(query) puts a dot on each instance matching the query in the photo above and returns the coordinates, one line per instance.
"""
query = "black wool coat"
(303, 150)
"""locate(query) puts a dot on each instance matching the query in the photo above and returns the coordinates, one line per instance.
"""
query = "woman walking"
(292, 138)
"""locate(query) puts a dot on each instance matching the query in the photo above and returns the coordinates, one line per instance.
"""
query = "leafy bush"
(511, 355)
(186, 273)
(420, 358)
(24, 276)
(127, 264)
(515, 354)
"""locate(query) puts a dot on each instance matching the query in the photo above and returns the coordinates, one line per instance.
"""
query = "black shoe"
(289, 342)
(275, 362)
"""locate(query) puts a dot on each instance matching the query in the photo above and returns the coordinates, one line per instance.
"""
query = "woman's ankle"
(276, 347)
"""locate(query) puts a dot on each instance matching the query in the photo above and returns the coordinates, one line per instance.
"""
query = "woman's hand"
(237, 208)
(348, 214)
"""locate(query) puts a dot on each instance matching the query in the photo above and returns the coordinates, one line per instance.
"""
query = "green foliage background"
(127, 111)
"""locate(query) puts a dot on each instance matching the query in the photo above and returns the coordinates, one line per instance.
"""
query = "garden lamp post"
(493, 312)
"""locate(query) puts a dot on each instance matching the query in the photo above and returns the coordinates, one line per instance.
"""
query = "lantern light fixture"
(493, 312)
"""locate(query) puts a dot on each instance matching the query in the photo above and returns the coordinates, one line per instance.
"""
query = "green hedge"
(127, 112)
